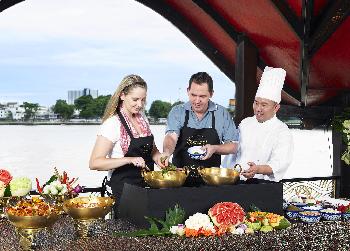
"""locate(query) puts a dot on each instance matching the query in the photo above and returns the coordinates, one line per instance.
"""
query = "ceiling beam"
(223, 23)
(198, 39)
(4, 4)
(307, 15)
(289, 15)
(333, 16)
(229, 29)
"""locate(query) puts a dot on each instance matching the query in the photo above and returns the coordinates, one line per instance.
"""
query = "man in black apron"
(199, 122)
(139, 147)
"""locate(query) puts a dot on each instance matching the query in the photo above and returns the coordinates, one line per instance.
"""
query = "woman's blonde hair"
(126, 85)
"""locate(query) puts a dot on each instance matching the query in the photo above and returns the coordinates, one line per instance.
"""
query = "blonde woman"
(125, 143)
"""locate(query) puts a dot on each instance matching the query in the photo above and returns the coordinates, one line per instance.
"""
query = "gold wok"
(219, 176)
(159, 179)
(87, 208)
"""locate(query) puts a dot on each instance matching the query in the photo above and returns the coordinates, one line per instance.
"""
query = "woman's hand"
(139, 162)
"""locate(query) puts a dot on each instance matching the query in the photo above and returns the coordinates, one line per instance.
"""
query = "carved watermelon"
(226, 214)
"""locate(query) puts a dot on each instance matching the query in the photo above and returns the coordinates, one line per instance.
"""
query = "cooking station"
(137, 202)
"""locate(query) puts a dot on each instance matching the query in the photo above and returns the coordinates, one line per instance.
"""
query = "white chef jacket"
(268, 143)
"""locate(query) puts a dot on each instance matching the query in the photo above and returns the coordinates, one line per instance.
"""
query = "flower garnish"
(59, 184)
(199, 224)
(344, 208)
(5, 176)
(9, 186)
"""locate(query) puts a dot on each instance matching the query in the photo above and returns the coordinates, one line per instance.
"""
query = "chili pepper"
(71, 182)
(65, 177)
(40, 189)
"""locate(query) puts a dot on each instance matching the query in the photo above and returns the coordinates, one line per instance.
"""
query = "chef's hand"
(251, 171)
(139, 162)
(210, 150)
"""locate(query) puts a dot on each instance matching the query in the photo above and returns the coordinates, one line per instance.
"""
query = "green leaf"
(53, 178)
(152, 222)
(7, 192)
(284, 223)
(175, 216)
(163, 223)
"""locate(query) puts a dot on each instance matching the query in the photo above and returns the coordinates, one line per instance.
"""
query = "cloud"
(108, 20)
(54, 45)
(112, 33)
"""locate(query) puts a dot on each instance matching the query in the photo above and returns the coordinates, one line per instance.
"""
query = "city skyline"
(50, 48)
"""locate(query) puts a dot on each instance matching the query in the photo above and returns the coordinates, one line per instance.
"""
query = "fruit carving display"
(226, 214)
(266, 221)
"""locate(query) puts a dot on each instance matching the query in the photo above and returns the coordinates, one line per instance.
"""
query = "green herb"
(170, 167)
(173, 217)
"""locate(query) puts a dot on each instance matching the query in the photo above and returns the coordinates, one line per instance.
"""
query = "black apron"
(195, 137)
(139, 147)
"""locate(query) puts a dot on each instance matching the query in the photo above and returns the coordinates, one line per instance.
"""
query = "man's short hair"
(201, 78)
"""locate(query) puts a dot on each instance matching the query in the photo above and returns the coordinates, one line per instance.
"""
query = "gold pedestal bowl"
(217, 176)
(168, 179)
(28, 226)
(86, 210)
(5, 202)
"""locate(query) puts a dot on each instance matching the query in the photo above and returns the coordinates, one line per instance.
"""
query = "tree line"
(88, 107)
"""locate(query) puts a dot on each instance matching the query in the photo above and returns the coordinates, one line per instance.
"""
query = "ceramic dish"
(309, 216)
(346, 216)
(331, 215)
(195, 152)
(294, 215)
(312, 208)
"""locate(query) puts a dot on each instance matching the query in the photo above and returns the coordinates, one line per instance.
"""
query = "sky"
(50, 47)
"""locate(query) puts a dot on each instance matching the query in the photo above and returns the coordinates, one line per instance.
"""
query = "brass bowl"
(219, 176)
(91, 207)
(159, 179)
(32, 222)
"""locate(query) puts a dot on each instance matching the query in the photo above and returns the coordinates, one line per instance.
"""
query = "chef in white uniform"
(265, 145)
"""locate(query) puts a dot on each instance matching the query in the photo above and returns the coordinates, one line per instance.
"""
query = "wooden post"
(337, 162)
(246, 86)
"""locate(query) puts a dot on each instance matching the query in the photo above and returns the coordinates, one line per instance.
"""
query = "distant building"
(45, 113)
(11, 110)
(75, 94)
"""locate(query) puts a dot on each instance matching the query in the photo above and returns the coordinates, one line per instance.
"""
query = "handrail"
(333, 177)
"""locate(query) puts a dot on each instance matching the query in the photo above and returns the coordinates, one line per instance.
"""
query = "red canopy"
(303, 37)
(309, 39)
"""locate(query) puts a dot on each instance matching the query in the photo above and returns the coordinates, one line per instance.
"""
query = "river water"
(34, 151)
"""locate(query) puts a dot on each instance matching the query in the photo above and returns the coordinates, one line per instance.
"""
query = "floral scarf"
(124, 136)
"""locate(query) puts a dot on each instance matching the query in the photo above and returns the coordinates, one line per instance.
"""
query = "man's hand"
(251, 171)
(162, 160)
(210, 150)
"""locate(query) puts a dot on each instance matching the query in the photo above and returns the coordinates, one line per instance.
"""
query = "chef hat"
(271, 84)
